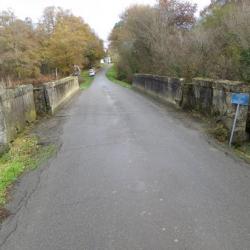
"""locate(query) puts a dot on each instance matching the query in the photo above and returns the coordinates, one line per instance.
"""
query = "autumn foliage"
(36, 51)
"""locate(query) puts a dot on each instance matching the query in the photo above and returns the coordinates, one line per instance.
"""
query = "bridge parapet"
(20, 105)
(17, 108)
(51, 96)
(207, 96)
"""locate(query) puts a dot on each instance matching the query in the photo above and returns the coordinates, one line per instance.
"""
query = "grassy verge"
(243, 151)
(112, 76)
(25, 154)
(87, 80)
(220, 133)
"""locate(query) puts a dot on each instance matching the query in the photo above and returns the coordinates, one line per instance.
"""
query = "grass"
(87, 80)
(112, 76)
(219, 132)
(25, 154)
(243, 151)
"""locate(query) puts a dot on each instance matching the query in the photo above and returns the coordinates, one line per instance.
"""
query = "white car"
(91, 72)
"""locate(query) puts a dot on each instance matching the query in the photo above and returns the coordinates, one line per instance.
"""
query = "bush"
(167, 40)
(220, 133)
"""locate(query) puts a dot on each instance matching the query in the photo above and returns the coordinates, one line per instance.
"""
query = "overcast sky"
(101, 15)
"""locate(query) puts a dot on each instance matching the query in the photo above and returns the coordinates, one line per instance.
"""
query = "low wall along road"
(50, 96)
(208, 96)
(20, 105)
(17, 108)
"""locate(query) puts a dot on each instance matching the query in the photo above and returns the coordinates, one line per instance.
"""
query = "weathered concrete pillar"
(50, 96)
(3, 134)
(16, 109)
(40, 100)
(188, 99)
(225, 111)
(175, 91)
(203, 95)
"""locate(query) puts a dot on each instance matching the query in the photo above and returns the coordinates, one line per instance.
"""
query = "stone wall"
(17, 108)
(209, 97)
(50, 96)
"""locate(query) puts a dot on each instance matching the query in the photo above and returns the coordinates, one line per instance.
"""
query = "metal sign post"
(234, 125)
(238, 99)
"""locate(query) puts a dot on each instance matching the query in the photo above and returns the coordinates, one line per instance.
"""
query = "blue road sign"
(240, 99)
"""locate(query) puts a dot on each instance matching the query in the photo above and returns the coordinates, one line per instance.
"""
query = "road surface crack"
(9, 235)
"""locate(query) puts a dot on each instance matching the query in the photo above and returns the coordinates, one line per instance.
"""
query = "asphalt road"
(132, 175)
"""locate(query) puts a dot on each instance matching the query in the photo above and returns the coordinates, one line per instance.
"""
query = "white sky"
(101, 15)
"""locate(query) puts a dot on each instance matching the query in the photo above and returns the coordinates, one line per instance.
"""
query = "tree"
(225, 32)
(59, 41)
(148, 39)
(18, 48)
(72, 42)
(167, 39)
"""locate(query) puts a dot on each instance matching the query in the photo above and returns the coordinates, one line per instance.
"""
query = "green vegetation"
(219, 132)
(87, 80)
(244, 151)
(25, 154)
(168, 39)
(112, 75)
